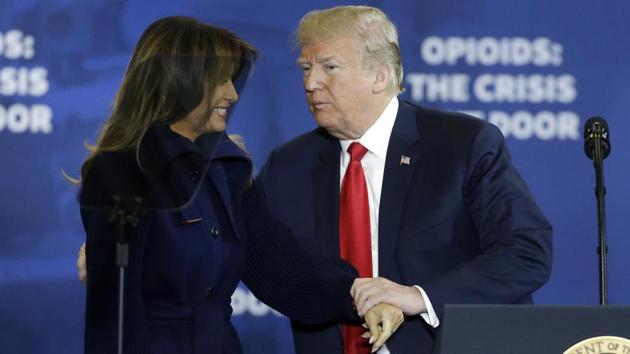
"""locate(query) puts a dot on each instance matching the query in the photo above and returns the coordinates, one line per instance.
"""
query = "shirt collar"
(376, 138)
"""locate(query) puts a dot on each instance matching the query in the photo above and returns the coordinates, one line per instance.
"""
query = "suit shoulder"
(443, 119)
(305, 146)
(451, 125)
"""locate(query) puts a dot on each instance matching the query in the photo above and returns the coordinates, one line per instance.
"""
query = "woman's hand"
(382, 320)
(81, 265)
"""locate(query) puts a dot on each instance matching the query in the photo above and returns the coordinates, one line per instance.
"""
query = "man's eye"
(330, 67)
(305, 68)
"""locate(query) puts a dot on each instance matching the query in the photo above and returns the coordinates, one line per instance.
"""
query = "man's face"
(338, 91)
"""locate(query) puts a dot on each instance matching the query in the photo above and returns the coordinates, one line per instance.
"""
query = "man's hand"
(368, 292)
(81, 265)
(382, 320)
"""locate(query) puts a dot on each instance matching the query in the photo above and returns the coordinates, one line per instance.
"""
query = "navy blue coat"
(457, 220)
(185, 264)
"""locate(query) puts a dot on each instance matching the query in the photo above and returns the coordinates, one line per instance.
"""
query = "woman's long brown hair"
(176, 62)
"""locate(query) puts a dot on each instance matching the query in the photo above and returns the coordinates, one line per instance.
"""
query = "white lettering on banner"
(245, 303)
(525, 88)
(23, 81)
(489, 88)
(439, 87)
(543, 125)
(491, 51)
(538, 90)
(14, 44)
(19, 118)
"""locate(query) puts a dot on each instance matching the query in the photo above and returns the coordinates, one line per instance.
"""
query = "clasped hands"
(383, 304)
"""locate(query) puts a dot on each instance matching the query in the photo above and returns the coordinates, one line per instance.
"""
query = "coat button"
(214, 232)
(194, 175)
(209, 291)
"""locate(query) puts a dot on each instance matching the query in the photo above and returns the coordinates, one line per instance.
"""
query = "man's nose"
(313, 80)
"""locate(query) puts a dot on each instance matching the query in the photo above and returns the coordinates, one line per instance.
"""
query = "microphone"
(596, 132)
(597, 148)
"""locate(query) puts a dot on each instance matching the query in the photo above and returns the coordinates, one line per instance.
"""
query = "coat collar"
(174, 163)
(160, 146)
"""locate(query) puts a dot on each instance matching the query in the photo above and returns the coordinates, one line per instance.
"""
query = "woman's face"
(208, 116)
(224, 95)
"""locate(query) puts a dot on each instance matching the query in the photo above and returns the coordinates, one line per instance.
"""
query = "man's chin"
(324, 119)
(331, 128)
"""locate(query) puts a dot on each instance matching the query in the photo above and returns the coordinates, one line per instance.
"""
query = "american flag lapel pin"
(405, 160)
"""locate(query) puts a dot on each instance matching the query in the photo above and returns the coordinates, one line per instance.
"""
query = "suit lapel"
(326, 197)
(404, 156)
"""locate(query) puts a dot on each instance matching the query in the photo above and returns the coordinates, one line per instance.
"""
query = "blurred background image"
(536, 69)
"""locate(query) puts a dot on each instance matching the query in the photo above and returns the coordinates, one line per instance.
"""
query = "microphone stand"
(600, 193)
(125, 216)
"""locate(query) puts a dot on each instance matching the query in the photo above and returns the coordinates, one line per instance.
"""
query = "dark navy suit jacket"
(184, 264)
(457, 220)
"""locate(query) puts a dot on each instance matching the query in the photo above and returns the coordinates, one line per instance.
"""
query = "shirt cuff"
(429, 317)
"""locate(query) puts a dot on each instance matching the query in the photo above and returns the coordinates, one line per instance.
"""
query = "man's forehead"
(326, 51)
(317, 58)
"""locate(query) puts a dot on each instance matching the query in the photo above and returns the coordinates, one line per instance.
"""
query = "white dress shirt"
(376, 140)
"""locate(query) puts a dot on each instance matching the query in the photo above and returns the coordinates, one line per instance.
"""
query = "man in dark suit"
(437, 214)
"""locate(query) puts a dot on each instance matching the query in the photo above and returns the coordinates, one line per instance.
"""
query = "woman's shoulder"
(115, 165)
(110, 173)
(113, 159)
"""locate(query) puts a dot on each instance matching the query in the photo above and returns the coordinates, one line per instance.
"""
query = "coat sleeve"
(514, 236)
(306, 289)
(101, 313)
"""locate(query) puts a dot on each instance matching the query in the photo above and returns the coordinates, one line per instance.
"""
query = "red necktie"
(355, 236)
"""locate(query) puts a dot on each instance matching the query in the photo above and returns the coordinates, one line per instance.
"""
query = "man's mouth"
(318, 104)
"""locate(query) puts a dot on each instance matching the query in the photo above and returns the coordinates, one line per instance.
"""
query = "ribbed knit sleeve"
(101, 311)
(306, 289)
(101, 315)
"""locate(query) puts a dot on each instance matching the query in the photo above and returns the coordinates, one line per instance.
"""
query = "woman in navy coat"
(165, 142)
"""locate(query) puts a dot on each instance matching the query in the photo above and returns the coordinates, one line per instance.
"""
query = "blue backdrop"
(538, 69)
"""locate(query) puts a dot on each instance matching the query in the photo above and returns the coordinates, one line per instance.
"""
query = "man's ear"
(381, 79)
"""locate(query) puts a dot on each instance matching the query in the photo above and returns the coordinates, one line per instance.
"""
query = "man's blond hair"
(374, 35)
